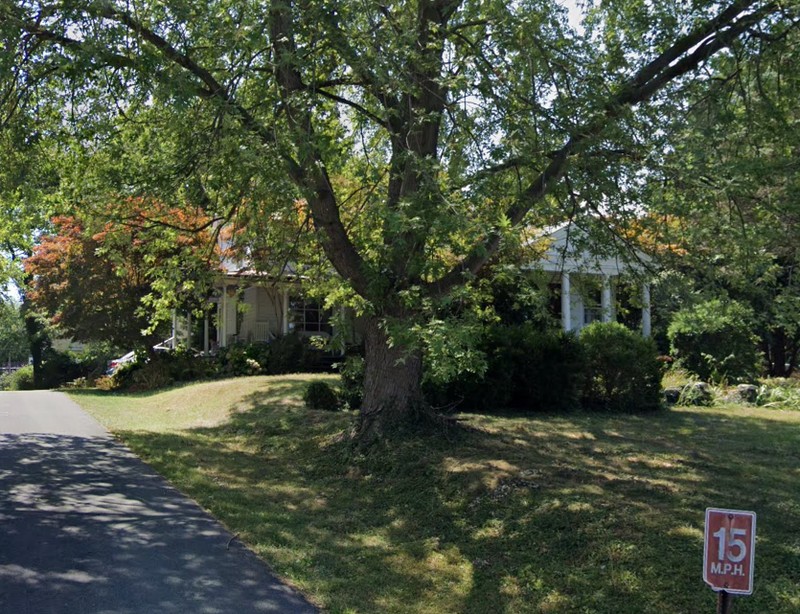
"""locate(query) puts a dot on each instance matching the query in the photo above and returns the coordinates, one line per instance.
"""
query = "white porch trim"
(606, 308)
(646, 323)
(566, 302)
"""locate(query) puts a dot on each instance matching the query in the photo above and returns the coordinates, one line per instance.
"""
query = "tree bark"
(776, 353)
(38, 343)
(392, 385)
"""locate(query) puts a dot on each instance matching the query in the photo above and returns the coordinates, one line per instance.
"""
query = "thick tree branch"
(684, 56)
(354, 105)
(309, 172)
(415, 141)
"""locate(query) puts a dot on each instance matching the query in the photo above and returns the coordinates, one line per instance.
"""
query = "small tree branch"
(213, 88)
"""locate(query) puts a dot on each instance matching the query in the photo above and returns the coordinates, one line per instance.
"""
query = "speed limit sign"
(729, 552)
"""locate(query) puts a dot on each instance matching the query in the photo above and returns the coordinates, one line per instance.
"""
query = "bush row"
(607, 368)
(58, 369)
(289, 354)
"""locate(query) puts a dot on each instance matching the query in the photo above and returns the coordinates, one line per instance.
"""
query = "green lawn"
(575, 513)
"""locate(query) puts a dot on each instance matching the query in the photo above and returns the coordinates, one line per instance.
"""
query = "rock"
(746, 393)
(672, 395)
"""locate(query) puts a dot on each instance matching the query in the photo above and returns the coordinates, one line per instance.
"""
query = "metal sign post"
(729, 554)
(724, 603)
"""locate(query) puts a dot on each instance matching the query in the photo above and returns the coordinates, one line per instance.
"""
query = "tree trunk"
(392, 385)
(777, 353)
(37, 336)
(38, 344)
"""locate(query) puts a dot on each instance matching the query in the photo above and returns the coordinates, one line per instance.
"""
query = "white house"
(587, 280)
(250, 306)
(254, 307)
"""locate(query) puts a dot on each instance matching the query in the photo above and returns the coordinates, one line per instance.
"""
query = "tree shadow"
(87, 527)
(580, 513)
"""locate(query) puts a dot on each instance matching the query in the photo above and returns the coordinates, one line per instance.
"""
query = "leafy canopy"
(409, 141)
(729, 190)
(419, 134)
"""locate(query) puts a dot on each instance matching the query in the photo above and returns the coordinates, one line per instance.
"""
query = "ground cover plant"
(538, 513)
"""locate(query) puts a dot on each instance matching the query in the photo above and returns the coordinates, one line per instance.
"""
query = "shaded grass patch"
(577, 513)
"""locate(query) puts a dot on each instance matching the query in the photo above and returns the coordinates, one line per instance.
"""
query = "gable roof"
(571, 249)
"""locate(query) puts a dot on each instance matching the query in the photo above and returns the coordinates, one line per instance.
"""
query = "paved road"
(87, 528)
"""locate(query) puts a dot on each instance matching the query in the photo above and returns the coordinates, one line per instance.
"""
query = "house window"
(306, 316)
(592, 313)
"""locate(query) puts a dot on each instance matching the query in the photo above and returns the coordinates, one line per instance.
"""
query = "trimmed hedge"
(528, 369)
(623, 372)
(289, 354)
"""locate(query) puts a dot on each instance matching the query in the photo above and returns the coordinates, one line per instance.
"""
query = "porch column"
(605, 299)
(206, 344)
(566, 308)
(646, 327)
(174, 340)
(189, 330)
(285, 327)
(222, 330)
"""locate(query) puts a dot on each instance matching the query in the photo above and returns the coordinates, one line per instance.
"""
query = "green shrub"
(122, 378)
(779, 392)
(320, 395)
(527, 368)
(81, 382)
(94, 359)
(351, 387)
(105, 382)
(696, 394)
(714, 340)
(289, 354)
(235, 361)
(21, 379)
(58, 368)
(152, 375)
(550, 369)
(623, 373)
(183, 364)
(151, 372)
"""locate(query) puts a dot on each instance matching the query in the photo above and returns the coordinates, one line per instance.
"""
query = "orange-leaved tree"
(114, 276)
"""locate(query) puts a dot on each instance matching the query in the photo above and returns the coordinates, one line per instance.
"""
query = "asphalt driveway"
(86, 527)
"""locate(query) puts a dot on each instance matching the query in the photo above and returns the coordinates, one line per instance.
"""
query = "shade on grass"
(576, 513)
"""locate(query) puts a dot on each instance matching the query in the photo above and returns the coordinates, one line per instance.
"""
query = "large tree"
(28, 177)
(731, 191)
(419, 136)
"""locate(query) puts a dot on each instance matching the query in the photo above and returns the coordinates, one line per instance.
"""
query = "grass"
(546, 513)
